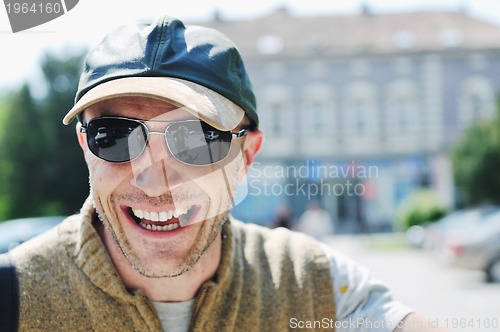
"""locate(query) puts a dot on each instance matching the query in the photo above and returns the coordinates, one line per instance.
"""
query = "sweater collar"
(91, 256)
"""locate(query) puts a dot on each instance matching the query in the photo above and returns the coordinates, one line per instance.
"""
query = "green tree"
(42, 171)
(421, 207)
(476, 164)
(64, 172)
(19, 149)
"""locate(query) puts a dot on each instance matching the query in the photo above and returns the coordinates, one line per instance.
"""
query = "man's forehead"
(137, 107)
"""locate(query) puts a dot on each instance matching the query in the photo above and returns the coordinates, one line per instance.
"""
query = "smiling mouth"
(163, 221)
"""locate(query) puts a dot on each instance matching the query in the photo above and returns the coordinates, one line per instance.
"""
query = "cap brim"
(202, 102)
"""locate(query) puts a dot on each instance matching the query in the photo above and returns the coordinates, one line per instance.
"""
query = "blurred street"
(457, 298)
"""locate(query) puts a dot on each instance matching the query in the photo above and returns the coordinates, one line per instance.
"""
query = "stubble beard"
(208, 232)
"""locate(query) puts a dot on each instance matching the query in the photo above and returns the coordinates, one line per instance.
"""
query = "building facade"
(360, 111)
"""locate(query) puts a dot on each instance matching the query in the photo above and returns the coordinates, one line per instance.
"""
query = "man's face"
(132, 198)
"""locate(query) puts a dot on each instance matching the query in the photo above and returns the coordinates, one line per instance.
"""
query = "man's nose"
(151, 171)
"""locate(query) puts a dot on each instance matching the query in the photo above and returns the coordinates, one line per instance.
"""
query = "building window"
(360, 110)
(317, 113)
(359, 68)
(403, 66)
(277, 114)
(270, 44)
(477, 100)
(404, 40)
(402, 112)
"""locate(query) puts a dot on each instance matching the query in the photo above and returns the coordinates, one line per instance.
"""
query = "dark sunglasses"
(192, 142)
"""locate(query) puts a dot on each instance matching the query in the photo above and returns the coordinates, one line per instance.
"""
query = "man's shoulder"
(49, 247)
(277, 242)
(44, 266)
(286, 265)
(251, 230)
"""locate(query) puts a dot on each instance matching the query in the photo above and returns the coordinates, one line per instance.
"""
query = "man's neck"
(175, 289)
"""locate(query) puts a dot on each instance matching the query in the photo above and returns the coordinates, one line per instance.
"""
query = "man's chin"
(154, 273)
(165, 265)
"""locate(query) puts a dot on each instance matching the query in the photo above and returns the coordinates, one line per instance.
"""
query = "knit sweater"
(67, 282)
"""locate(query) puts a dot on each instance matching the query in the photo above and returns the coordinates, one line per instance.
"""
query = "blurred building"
(370, 101)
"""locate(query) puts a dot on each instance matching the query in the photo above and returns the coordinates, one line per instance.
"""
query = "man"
(168, 127)
(316, 221)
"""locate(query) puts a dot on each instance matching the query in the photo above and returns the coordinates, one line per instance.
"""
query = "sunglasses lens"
(192, 142)
(197, 143)
(116, 140)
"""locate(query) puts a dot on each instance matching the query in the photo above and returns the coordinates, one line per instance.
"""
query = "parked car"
(458, 222)
(477, 248)
(16, 231)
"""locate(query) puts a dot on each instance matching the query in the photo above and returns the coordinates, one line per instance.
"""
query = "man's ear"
(251, 146)
(81, 137)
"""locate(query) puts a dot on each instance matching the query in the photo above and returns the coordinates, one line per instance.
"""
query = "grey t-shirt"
(362, 303)
(174, 316)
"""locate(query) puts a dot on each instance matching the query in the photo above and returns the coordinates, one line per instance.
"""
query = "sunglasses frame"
(142, 123)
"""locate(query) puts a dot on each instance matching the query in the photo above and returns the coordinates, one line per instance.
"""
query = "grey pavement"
(454, 297)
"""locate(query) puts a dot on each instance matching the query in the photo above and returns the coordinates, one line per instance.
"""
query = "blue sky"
(90, 19)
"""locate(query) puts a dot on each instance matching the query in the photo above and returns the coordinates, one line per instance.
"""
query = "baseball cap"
(193, 67)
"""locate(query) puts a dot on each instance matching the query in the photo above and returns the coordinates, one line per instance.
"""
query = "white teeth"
(139, 214)
(153, 216)
(162, 216)
(163, 228)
